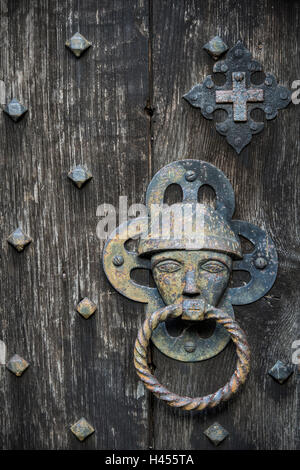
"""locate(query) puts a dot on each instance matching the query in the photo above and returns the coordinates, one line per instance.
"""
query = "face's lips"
(193, 309)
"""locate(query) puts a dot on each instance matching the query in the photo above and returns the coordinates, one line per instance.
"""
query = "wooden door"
(118, 110)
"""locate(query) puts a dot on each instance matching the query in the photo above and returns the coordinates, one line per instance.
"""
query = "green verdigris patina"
(202, 253)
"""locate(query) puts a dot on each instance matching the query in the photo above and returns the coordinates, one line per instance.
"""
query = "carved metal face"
(198, 266)
(183, 275)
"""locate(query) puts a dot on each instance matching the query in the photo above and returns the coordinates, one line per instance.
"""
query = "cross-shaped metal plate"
(239, 97)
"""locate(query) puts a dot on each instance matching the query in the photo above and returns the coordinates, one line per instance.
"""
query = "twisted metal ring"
(200, 403)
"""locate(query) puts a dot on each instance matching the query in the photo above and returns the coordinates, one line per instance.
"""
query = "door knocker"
(191, 249)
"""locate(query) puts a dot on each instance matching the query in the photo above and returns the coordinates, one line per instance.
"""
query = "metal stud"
(268, 81)
(190, 346)
(223, 68)
(15, 110)
(82, 429)
(281, 372)
(190, 175)
(260, 262)
(78, 44)
(17, 365)
(18, 239)
(223, 127)
(86, 308)
(216, 47)
(118, 260)
(79, 176)
(216, 433)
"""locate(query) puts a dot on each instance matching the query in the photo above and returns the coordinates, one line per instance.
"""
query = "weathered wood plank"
(265, 178)
(91, 111)
(81, 111)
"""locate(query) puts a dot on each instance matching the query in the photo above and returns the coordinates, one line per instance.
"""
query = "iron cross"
(236, 99)
(239, 96)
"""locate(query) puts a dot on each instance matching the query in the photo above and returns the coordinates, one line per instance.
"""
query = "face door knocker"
(238, 97)
(191, 250)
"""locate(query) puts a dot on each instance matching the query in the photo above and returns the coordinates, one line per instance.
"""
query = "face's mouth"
(193, 309)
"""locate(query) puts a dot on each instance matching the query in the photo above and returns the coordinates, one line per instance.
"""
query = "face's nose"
(190, 285)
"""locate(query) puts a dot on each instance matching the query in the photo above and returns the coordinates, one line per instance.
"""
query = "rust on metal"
(191, 266)
(79, 176)
(186, 403)
(86, 308)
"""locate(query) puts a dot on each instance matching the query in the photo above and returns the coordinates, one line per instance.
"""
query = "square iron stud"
(281, 372)
(86, 308)
(79, 176)
(216, 433)
(78, 44)
(18, 239)
(15, 110)
(17, 365)
(82, 429)
(216, 47)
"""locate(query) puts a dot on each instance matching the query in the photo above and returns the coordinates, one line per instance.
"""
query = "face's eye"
(213, 266)
(168, 266)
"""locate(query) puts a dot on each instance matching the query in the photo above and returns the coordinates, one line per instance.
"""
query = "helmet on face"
(189, 226)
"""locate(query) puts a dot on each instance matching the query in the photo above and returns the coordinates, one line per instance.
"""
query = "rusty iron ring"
(186, 403)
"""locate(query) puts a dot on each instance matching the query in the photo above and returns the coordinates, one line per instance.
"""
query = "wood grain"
(86, 111)
(265, 178)
(118, 110)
